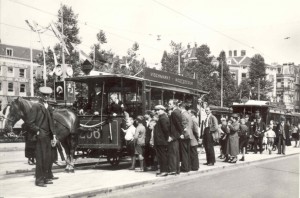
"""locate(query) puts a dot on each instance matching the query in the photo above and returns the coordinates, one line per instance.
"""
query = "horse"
(66, 124)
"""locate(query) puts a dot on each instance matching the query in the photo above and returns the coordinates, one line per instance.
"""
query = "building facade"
(15, 77)
(285, 79)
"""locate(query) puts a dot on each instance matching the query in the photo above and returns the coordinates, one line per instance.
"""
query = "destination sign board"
(166, 77)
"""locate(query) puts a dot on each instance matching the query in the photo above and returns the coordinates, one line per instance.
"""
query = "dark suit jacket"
(39, 119)
(285, 132)
(161, 130)
(212, 123)
(176, 126)
(262, 128)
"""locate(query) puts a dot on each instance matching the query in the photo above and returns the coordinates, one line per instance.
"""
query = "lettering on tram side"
(166, 77)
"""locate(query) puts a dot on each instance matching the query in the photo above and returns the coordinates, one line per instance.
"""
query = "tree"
(70, 31)
(229, 85)
(257, 74)
(170, 60)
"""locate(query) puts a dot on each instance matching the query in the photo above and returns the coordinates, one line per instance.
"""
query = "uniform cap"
(45, 90)
(160, 107)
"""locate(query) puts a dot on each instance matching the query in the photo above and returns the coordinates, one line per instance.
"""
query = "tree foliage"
(70, 31)
(257, 75)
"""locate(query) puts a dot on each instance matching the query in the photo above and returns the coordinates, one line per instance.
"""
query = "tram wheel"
(114, 159)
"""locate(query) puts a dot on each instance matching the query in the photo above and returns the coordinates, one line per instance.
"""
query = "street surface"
(272, 179)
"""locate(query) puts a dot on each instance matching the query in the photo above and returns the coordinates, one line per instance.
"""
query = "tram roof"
(258, 103)
(108, 76)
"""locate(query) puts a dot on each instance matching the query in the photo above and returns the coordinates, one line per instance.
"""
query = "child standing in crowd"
(139, 139)
(270, 135)
(129, 137)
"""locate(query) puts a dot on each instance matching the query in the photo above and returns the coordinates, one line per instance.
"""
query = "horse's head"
(13, 113)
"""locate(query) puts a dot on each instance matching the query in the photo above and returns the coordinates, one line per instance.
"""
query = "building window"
(9, 52)
(234, 53)
(278, 83)
(22, 88)
(10, 71)
(244, 75)
(10, 87)
(21, 73)
(279, 70)
(0, 86)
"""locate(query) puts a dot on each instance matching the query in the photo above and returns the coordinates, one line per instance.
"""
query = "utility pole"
(222, 83)
(63, 52)
(258, 91)
(178, 60)
(31, 68)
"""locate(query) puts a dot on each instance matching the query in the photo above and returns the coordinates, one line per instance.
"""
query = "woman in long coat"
(232, 147)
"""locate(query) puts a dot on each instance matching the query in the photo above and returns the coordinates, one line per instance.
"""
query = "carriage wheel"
(114, 159)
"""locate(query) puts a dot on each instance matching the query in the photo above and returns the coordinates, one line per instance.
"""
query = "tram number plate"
(108, 134)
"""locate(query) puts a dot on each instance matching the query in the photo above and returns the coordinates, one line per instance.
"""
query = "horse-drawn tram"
(105, 100)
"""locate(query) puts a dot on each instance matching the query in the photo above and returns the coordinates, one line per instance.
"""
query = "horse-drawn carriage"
(103, 103)
(100, 128)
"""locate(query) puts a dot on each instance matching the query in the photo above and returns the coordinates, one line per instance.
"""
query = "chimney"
(230, 53)
(234, 53)
(243, 53)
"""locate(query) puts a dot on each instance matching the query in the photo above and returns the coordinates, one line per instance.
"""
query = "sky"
(257, 26)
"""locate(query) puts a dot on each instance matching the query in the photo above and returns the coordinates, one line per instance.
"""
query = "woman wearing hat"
(233, 139)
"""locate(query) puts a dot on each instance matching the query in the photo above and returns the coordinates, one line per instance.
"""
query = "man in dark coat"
(283, 134)
(210, 126)
(161, 135)
(176, 129)
(40, 124)
(259, 129)
(185, 139)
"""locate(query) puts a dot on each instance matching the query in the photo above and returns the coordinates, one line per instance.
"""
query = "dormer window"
(9, 52)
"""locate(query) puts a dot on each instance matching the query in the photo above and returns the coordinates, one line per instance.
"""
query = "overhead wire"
(87, 24)
(207, 26)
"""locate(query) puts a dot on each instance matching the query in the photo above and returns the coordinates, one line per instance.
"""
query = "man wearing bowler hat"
(40, 123)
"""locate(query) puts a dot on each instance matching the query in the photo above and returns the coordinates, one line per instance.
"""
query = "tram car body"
(101, 130)
(266, 110)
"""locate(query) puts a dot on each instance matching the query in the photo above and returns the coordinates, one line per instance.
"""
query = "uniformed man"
(40, 123)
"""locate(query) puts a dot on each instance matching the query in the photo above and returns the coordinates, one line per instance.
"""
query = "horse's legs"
(72, 144)
(66, 147)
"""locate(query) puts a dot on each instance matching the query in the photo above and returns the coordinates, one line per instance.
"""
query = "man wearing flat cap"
(259, 129)
(161, 135)
(40, 123)
(283, 134)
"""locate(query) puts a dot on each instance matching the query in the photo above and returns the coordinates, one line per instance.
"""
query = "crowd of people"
(168, 138)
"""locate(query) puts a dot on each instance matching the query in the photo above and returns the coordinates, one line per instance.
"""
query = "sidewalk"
(101, 181)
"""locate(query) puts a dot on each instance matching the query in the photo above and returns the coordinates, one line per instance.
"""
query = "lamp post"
(221, 83)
